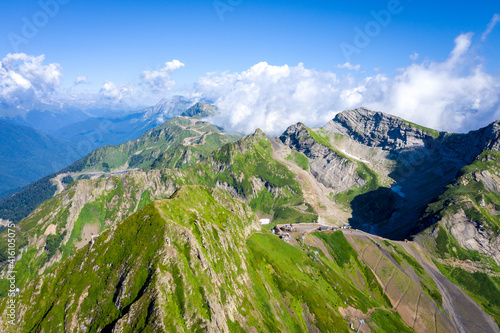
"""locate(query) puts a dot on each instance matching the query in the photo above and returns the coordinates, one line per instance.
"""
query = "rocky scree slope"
(328, 166)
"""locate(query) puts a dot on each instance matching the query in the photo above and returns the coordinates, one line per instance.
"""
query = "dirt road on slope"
(315, 193)
(466, 315)
(464, 311)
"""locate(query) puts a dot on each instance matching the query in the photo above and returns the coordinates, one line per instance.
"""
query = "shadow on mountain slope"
(421, 174)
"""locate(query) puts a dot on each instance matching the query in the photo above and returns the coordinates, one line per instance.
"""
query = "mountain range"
(60, 136)
(162, 233)
(24, 146)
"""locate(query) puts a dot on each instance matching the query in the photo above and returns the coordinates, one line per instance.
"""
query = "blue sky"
(115, 41)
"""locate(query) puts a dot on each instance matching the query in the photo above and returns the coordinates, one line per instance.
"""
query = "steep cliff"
(332, 169)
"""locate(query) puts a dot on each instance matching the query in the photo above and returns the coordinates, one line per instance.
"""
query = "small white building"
(265, 221)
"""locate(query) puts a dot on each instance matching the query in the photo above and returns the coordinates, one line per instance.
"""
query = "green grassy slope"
(245, 169)
(200, 110)
(217, 273)
(248, 169)
(171, 145)
(178, 143)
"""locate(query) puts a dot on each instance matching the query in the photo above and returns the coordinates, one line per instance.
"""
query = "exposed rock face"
(331, 169)
(469, 209)
(490, 181)
(377, 129)
(469, 146)
(4, 223)
(471, 236)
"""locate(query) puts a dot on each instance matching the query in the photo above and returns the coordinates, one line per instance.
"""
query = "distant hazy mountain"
(96, 132)
(180, 142)
(27, 155)
(200, 110)
(82, 133)
(43, 117)
(167, 108)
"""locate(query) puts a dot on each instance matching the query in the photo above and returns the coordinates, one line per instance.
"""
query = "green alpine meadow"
(369, 223)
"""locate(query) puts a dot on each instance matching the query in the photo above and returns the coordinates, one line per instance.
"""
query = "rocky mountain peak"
(492, 136)
(469, 146)
(378, 129)
(200, 110)
(258, 134)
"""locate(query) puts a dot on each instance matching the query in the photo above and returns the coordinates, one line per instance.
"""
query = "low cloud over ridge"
(454, 95)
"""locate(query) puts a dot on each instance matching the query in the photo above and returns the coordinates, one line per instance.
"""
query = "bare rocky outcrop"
(469, 146)
(4, 223)
(377, 129)
(472, 236)
(328, 167)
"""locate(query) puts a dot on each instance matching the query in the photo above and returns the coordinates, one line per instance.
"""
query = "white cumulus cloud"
(350, 66)
(160, 81)
(445, 95)
(80, 80)
(110, 92)
(414, 56)
(24, 78)
(455, 95)
(270, 97)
